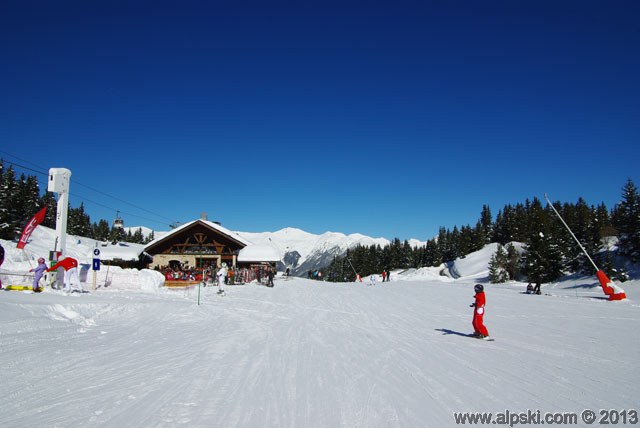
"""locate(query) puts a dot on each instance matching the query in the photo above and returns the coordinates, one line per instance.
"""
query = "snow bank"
(474, 266)
(17, 263)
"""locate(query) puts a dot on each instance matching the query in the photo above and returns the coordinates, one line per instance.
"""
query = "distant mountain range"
(303, 251)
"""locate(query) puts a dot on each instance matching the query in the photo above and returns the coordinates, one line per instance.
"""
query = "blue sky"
(386, 118)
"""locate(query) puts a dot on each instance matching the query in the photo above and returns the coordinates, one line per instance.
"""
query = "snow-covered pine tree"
(513, 262)
(8, 209)
(79, 222)
(626, 219)
(4, 203)
(116, 235)
(498, 266)
(542, 258)
(28, 197)
(49, 200)
(485, 225)
(101, 230)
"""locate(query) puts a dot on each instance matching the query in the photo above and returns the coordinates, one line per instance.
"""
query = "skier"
(529, 288)
(70, 266)
(384, 275)
(480, 331)
(1, 260)
(222, 274)
(536, 289)
(372, 280)
(270, 277)
(39, 271)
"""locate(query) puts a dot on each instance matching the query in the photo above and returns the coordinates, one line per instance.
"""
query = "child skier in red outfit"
(480, 331)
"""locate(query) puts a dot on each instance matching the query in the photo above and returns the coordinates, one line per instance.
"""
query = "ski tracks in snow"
(309, 354)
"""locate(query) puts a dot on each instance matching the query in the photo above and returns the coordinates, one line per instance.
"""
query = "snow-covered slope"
(312, 354)
(309, 353)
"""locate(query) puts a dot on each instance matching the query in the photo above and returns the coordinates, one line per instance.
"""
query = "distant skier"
(39, 271)
(479, 330)
(71, 279)
(270, 275)
(222, 274)
(533, 290)
(372, 280)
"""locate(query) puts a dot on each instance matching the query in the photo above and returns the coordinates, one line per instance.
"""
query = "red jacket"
(66, 263)
(480, 300)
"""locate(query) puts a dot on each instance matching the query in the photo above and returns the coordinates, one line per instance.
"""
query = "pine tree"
(49, 200)
(498, 266)
(467, 242)
(29, 197)
(9, 221)
(627, 221)
(138, 237)
(432, 254)
(101, 230)
(79, 223)
(504, 264)
(542, 258)
(485, 225)
(513, 262)
(117, 235)
(4, 203)
(603, 220)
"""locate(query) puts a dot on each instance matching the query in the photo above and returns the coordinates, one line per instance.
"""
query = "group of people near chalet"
(224, 275)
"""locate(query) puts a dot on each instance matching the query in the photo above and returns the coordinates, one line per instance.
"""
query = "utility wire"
(82, 198)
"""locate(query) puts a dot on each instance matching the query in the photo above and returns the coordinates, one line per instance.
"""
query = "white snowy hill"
(311, 354)
(302, 251)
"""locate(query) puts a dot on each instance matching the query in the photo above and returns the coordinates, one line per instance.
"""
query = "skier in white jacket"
(222, 274)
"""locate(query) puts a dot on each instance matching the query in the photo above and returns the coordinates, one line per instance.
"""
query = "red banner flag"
(30, 227)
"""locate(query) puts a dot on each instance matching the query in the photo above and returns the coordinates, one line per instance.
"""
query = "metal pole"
(574, 236)
(106, 278)
(200, 282)
(354, 269)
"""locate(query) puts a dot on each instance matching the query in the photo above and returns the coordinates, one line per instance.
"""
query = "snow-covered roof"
(120, 251)
(258, 253)
(215, 226)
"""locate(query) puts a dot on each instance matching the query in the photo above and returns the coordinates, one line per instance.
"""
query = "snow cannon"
(610, 289)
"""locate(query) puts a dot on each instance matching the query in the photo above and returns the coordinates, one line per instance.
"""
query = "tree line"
(20, 199)
(533, 244)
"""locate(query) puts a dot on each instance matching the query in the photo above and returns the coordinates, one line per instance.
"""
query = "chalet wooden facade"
(200, 243)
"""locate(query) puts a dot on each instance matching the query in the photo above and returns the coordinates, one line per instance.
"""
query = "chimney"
(204, 216)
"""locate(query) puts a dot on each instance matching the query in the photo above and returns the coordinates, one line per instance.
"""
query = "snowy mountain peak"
(302, 251)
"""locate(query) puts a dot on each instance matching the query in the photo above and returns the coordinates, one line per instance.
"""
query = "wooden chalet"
(199, 243)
